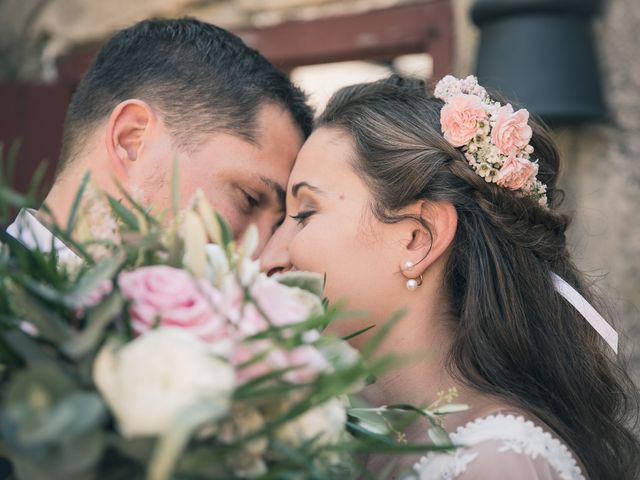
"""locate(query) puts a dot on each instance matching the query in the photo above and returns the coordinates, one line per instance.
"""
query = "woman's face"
(330, 229)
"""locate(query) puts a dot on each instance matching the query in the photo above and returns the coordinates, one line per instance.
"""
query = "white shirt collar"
(29, 231)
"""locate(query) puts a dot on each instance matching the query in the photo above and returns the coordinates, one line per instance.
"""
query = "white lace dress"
(501, 447)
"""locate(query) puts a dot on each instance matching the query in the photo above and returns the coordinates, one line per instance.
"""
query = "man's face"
(245, 182)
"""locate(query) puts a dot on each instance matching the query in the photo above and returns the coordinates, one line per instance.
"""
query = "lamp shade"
(541, 54)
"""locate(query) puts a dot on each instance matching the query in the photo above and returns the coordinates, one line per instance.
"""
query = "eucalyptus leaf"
(92, 279)
(75, 414)
(225, 230)
(371, 420)
(75, 206)
(50, 325)
(98, 321)
(26, 347)
(309, 281)
(124, 213)
(439, 436)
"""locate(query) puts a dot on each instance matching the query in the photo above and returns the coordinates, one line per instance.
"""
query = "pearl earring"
(408, 265)
(414, 283)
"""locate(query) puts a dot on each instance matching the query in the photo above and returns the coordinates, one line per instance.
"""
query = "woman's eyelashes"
(302, 216)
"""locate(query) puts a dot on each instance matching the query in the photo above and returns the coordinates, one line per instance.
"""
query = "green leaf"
(439, 437)
(36, 180)
(75, 206)
(98, 321)
(358, 333)
(26, 347)
(92, 278)
(50, 325)
(124, 213)
(225, 230)
(139, 207)
(309, 281)
(370, 419)
(75, 414)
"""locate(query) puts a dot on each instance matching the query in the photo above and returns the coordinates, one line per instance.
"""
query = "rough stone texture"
(35, 32)
(601, 169)
(602, 175)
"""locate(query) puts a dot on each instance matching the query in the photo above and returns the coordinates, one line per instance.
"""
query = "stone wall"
(601, 168)
(35, 32)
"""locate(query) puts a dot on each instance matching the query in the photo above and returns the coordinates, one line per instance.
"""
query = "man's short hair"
(201, 77)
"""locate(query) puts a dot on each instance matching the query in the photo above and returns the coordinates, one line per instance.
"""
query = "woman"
(459, 230)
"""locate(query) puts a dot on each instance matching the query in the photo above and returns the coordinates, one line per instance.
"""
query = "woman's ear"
(426, 242)
(128, 124)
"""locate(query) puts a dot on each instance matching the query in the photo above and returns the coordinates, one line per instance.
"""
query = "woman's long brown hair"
(514, 335)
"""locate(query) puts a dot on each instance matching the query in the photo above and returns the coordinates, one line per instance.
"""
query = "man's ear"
(424, 246)
(128, 124)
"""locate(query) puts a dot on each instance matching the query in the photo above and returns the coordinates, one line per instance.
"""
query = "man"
(186, 90)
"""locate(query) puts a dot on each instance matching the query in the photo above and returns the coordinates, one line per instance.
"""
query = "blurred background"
(573, 62)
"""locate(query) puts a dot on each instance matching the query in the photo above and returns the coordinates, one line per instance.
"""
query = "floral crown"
(493, 138)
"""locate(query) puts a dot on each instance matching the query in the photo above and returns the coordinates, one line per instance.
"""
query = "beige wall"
(602, 162)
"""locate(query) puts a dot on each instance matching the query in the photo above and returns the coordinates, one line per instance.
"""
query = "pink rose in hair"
(459, 119)
(511, 131)
(169, 297)
(515, 173)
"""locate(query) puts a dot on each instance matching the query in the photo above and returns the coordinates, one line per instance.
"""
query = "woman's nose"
(275, 255)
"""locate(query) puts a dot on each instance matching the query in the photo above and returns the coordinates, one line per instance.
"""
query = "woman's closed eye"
(303, 216)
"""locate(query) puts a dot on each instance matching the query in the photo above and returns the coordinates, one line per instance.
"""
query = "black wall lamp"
(541, 54)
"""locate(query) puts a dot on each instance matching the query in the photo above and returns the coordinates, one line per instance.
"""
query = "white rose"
(326, 421)
(148, 382)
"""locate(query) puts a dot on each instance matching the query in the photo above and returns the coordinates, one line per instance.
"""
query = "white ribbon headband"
(590, 314)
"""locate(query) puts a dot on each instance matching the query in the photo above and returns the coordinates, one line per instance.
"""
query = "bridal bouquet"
(160, 351)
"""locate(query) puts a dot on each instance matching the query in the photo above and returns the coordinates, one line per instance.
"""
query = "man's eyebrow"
(276, 188)
(296, 188)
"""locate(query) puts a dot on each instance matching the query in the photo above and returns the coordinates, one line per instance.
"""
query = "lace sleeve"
(501, 447)
(486, 460)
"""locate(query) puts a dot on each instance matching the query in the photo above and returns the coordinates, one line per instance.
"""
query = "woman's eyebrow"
(296, 188)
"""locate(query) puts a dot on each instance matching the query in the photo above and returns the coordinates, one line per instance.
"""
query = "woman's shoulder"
(502, 446)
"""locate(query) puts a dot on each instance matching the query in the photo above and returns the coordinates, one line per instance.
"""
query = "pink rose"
(459, 119)
(243, 353)
(169, 297)
(306, 362)
(511, 131)
(284, 305)
(515, 173)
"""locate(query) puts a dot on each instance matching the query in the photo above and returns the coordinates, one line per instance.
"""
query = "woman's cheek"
(301, 253)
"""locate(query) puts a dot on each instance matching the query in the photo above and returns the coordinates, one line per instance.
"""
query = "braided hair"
(513, 335)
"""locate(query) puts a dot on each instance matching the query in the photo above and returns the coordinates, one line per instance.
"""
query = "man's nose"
(275, 255)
